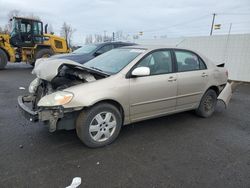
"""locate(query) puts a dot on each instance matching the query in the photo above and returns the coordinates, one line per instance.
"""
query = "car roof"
(155, 47)
(114, 42)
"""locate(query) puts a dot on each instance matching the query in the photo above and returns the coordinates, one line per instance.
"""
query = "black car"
(90, 51)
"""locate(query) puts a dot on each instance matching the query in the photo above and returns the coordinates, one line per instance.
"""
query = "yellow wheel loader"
(28, 42)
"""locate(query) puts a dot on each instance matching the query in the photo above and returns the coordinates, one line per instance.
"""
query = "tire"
(3, 59)
(102, 132)
(42, 53)
(207, 104)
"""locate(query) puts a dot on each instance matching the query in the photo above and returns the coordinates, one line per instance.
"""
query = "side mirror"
(141, 71)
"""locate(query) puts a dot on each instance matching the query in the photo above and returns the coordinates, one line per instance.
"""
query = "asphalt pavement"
(180, 150)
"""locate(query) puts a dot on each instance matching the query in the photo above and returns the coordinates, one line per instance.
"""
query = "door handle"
(204, 74)
(171, 78)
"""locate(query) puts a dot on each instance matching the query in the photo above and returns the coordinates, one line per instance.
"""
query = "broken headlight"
(56, 99)
(33, 85)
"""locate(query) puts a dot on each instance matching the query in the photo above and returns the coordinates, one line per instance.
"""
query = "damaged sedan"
(122, 86)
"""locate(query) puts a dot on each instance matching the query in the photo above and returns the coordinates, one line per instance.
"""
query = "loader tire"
(43, 53)
(3, 59)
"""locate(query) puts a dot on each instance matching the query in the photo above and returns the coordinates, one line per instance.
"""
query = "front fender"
(87, 94)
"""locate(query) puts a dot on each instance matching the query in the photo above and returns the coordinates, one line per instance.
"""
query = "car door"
(192, 79)
(153, 95)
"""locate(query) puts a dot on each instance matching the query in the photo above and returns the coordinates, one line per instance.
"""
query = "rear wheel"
(3, 59)
(207, 104)
(99, 125)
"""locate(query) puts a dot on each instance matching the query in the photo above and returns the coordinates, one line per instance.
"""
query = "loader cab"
(26, 32)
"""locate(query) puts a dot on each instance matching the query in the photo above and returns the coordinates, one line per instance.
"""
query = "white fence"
(233, 50)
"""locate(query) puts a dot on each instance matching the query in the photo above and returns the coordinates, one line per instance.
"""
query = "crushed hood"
(47, 69)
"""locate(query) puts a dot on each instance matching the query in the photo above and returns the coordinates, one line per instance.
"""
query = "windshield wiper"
(97, 69)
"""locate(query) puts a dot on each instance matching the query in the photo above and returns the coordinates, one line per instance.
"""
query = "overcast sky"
(173, 18)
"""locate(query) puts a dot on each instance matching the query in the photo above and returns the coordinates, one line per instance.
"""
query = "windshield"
(113, 61)
(14, 27)
(85, 49)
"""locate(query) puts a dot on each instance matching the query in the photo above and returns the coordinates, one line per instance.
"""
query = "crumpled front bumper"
(51, 115)
(28, 113)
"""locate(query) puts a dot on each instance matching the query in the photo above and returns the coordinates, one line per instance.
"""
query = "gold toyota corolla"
(120, 87)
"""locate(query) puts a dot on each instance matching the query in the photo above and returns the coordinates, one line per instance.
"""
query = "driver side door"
(153, 95)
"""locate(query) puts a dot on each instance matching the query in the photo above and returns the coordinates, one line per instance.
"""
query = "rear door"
(192, 79)
(155, 94)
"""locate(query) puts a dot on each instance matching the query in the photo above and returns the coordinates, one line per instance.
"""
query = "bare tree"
(11, 14)
(89, 39)
(33, 16)
(50, 29)
(119, 35)
(67, 32)
(98, 38)
(5, 29)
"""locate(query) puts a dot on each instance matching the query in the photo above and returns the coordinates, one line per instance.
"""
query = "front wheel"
(3, 59)
(99, 125)
(207, 104)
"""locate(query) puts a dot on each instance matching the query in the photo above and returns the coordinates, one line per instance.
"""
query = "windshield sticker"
(137, 50)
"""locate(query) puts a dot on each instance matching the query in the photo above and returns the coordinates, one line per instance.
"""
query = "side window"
(202, 64)
(105, 48)
(37, 28)
(188, 61)
(158, 62)
(25, 27)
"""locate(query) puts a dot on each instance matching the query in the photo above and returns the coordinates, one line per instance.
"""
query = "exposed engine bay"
(58, 76)
(71, 75)
(68, 75)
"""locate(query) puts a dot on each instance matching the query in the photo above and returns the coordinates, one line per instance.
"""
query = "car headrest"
(190, 61)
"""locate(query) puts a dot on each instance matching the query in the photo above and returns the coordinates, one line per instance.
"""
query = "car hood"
(47, 68)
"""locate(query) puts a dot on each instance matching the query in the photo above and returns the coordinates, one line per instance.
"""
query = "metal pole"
(227, 42)
(212, 26)
(230, 29)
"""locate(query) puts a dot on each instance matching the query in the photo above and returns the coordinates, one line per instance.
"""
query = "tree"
(67, 32)
(119, 35)
(11, 14)
(5, 29)
(33, 16)
(98, 38)
(50, 29)
(89, 39)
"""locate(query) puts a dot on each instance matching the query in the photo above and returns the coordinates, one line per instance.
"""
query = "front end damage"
(47, 97)
(49, 116)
